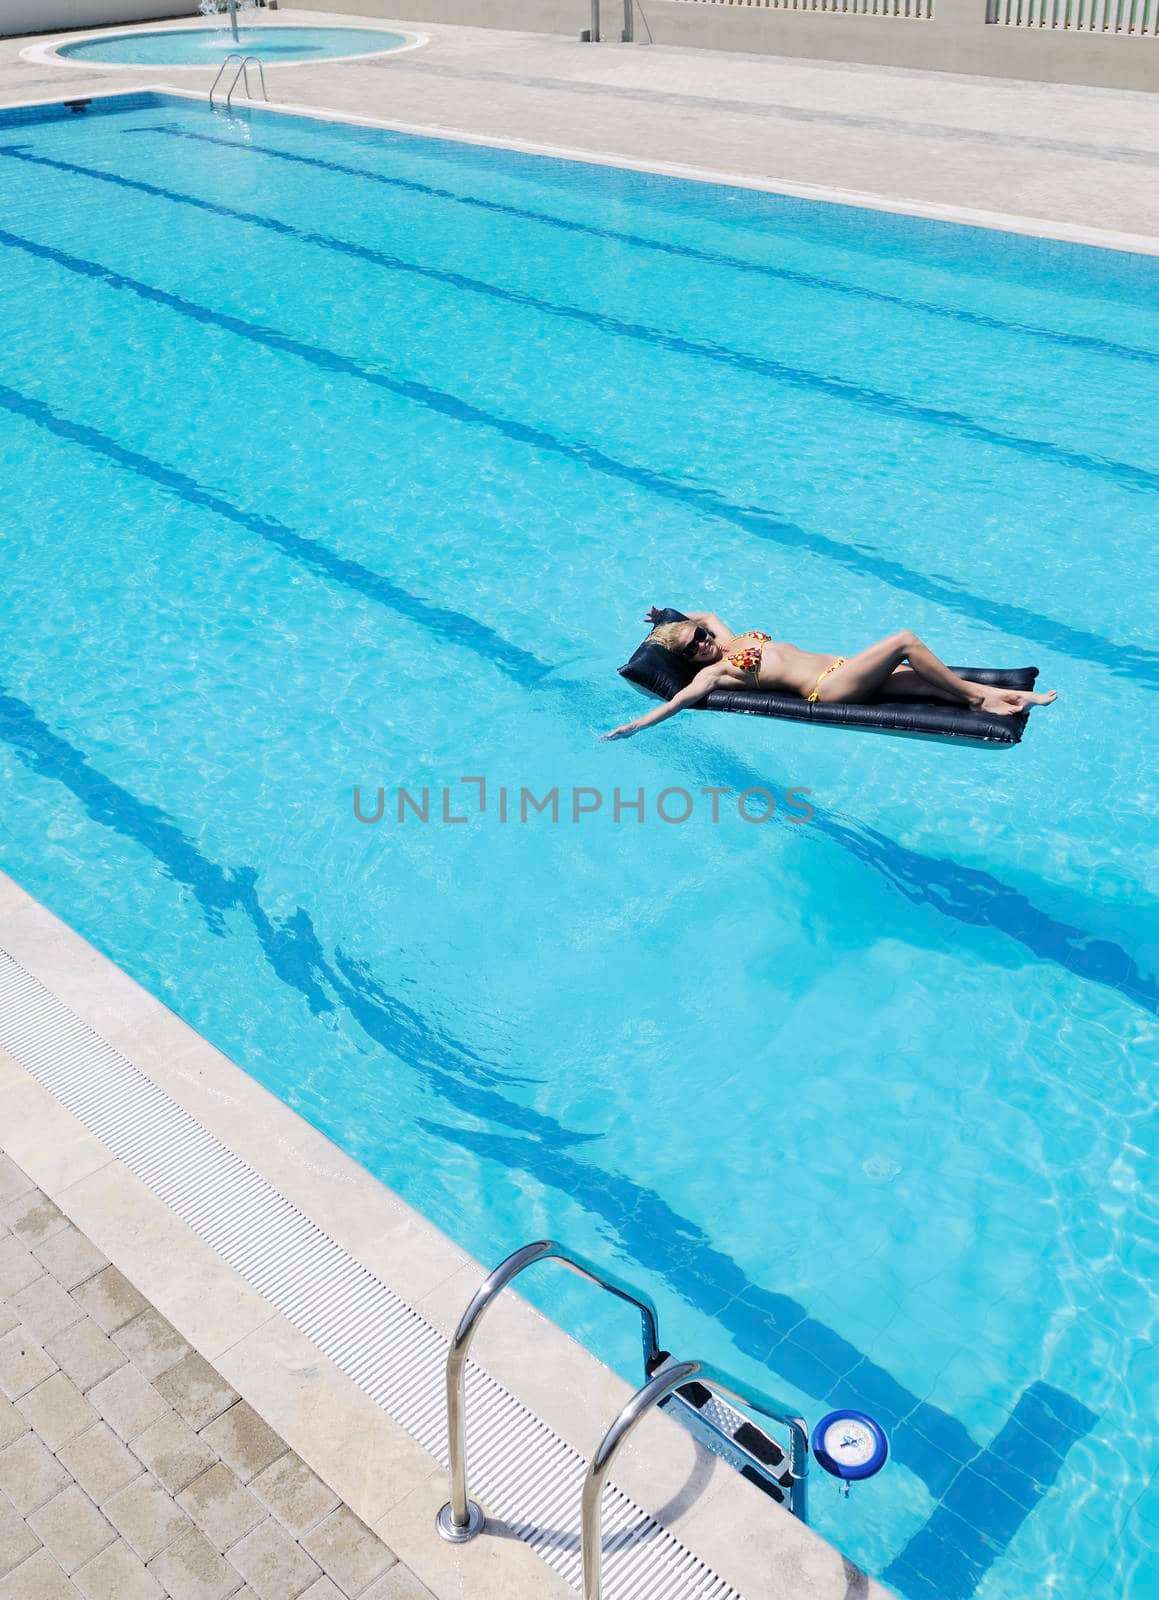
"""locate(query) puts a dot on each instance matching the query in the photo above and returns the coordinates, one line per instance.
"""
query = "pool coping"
(931, 211)
(49, 54)
(389, 1479)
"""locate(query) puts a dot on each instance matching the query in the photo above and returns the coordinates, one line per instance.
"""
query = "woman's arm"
(704, 680)
(706, 619)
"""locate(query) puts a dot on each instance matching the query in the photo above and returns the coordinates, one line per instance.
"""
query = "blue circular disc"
(850, 1445)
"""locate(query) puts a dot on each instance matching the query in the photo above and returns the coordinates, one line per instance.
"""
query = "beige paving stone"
(23, 1363)
(173, 1452)
(39, 1578)
(30, 1474)
(8, 1319)
(116, 1574)
(13, 1182)
(222, 1508)
(57, 1410)
(323, 1590)
(70, 1257)
(127, 1401)
(71, 1528)
(145, 1516)
(191, 1569)
(273, 1564)
(45, 1308)
(151, 1344)
(99, 1462)
(243, 1441)
(295, 1495)
(17, 1540)
(85, 1353)
(195, 1390)
(12, 1424)
(348, 1551)
(33, 1218)
(400, 1583)
(110, 1299)
(18, 1266)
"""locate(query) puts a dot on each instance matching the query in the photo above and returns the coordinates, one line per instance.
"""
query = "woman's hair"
(669, 635)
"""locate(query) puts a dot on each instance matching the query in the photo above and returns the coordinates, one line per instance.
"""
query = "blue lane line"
(773, 1328)
(977, 319)
(1134, 662)
(966, 894)
(876, 400)
(777, 1331)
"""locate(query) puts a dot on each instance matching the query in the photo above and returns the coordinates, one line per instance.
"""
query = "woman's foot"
(1009, 702)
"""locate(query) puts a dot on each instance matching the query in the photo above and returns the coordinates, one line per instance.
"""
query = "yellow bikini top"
(748, 659)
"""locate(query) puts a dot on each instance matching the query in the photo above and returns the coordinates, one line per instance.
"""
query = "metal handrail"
(242, 72)
(234, 55)
(666, 1382)
(461, 1518)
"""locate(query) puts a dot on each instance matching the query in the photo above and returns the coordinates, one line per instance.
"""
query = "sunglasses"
(701, 636)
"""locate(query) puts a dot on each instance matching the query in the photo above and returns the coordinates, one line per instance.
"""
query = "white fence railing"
(1123, 18)
(915, 10)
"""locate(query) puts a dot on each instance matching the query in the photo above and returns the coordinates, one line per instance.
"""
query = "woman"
(753, 661)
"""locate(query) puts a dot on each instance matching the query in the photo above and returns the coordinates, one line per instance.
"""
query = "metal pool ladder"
(691, 1389)
(242, 73)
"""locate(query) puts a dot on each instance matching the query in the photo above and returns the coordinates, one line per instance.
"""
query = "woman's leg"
(867, 674)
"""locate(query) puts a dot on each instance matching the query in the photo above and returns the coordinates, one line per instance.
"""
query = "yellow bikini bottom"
(832, 667)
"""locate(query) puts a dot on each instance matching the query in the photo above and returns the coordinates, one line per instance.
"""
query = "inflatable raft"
(660, 672)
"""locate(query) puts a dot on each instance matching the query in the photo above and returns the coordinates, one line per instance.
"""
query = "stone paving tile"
(272, 1562)
(12, 1181)
(110, 1299)
(196, 1391)
(8, 1319)
(322, 1590)
(45, 1308)
(30, 1474)
(38, 1579)
(56, 1410)
(222, 1508)
(152, 1344)
(127, 1401)
(400, 1583)
(99, 1462)
(243, 1441)
(17, 1540)
(191, 1569)
(116, 1574)
(295, 1495)
(146, 1517)
(12, 1424)
(85, 1353)
(70, 1257)
(347, 1551)
(71, 1528)
(33, 1218)
(173, 1452)
(23, 1364)
(18, 1266)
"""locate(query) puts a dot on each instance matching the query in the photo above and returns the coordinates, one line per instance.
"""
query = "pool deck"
(1074, 162)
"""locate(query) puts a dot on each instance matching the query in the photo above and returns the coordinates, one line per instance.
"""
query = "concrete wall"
(957, 39)
(55, 16)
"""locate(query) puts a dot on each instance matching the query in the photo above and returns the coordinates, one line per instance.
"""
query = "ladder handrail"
(234, 55)
(460, 1518)
(666, 1382)
(242, 71)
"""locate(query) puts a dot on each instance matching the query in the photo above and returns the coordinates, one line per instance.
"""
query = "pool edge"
(737, 1533)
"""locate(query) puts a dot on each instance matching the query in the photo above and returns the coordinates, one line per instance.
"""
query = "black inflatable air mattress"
(660, 672)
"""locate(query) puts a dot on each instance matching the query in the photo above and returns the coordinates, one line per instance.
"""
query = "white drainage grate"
(521, 1470)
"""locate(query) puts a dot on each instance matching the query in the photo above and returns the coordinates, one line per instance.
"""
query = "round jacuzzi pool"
(207, 46)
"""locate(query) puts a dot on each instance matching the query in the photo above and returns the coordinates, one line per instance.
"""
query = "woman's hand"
(624, 732)
(655, 616)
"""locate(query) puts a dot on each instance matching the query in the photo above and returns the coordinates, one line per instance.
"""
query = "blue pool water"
(206, 46)
(335, 458)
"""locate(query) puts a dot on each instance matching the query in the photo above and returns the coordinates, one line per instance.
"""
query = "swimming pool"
(276, 43)
(343, 458)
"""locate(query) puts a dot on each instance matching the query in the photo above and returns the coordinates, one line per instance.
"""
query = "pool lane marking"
(966, 894)
(768, 1326)
(1078, 341)
(1135, 662)
(989, 1490)
(878, 401)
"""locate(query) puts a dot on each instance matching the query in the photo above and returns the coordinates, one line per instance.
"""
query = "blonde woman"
(754, 660)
